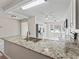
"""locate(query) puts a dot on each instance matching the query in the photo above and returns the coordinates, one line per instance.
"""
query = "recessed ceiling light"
(33, 4)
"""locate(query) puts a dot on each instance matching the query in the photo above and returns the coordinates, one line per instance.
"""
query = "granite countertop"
(51, 48)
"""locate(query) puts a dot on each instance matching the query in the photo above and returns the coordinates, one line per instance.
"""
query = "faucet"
(27, 37)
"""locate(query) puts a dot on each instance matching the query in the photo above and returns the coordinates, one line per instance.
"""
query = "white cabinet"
(24, 29)
(1, 45)
(18, 52)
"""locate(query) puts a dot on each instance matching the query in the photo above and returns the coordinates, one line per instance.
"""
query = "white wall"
(8, 27)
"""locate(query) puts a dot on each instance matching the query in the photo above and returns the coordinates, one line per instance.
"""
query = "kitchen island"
(18, 48)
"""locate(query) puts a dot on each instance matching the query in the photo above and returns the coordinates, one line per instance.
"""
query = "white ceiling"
(53, 7)
(6, 4)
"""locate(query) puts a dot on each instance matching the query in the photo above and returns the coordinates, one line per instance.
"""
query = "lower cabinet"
(17, 52)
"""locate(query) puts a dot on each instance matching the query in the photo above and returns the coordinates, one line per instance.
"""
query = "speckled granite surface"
(54, 49)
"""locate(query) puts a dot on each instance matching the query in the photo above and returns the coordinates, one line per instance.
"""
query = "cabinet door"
(18, 52)
(24, 29)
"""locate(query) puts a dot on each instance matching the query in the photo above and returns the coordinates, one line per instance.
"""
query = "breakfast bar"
(19, 48)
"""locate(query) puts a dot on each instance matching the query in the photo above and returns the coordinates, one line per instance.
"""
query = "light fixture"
(33, 4)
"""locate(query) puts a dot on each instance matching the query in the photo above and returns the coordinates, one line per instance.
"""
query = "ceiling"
(52, 7)
(6, 4)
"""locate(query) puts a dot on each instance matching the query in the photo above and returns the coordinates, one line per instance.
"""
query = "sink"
(32, 39)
